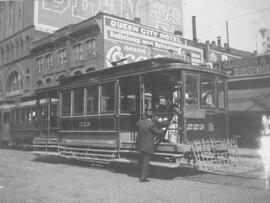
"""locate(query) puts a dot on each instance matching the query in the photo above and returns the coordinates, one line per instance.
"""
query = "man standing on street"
(147, 131)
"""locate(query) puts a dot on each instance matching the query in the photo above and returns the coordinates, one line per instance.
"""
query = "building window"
(62, 57)
(40, 64)
(14, 82)
(268, 46)
(77, 52)
(91, 48)
(39, 84)
(49, 62)
(20, 10)
(48, 81)
(11, 51)
(7, 53)
(1, 56)
(268, 38)
(17, 49)
(20, 47)
(1, 89)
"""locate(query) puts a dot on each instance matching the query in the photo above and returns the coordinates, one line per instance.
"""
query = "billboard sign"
(253, 66)
(125, 39)
(51, 15)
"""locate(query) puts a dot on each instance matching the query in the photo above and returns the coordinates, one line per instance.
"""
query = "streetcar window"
(208, 90)
(191, 90)
(92, 100)
(17, 116)
(221, 93)
(66, 102)
(13, 117)
(78, 101)
(29, 114)
(23, 115)
(54, 115)
(107, 98)
(129, 88)
(160, 90)
(6, 117)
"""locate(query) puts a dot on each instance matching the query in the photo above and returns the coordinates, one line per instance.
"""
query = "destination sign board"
(126, 39)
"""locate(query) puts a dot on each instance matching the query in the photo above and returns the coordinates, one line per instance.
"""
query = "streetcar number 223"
(84, 124)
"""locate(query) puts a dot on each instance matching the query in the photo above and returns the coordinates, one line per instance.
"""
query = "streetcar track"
(233, 181)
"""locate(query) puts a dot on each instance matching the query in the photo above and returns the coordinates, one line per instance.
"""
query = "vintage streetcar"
(92, 116)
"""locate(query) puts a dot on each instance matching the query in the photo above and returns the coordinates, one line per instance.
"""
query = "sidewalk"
(249, 153)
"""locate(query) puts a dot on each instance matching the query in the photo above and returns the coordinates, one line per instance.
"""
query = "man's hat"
(148, 113)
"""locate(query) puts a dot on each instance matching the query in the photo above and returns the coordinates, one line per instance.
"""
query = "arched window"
(61, 77)
(20, 47)
(48, 81)
(39, 84)
(14, 82)
(77, 72)
(17, 48)
(90, 70)
(7, 53)
(11, 51)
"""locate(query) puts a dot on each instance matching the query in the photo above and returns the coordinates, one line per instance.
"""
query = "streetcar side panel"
(88, 115)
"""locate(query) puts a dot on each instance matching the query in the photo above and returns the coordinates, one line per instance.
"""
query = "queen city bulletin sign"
(125, 39)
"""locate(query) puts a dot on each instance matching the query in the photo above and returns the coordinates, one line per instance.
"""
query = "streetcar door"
(129, 103)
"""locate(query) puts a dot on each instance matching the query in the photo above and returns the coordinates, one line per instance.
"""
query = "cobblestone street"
(26, 179)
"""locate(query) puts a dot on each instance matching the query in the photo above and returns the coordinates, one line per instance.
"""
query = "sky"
(245, 18)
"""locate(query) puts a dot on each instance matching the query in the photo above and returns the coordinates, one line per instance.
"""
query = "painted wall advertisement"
(51, 15)
(135, 42)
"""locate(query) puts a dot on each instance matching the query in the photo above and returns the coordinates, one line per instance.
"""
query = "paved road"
(25, 179)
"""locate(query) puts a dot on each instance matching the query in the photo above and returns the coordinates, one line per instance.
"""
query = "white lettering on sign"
(149, 32)
(168, 15)
(84, 124)
(87, 8)
(124, 37)
(83, 8)
(116, 53)
(120, 31)
(135, 49)
(195, 127)
(124, 26)
(58, 6)
(130, 8)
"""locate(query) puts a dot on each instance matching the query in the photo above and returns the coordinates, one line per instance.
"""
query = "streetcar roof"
(139, 67)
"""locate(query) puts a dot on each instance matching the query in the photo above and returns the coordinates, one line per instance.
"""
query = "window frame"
(114, 98)
(197, 76)
(215, 103)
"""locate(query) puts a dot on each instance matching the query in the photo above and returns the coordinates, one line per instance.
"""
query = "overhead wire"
(230, 19)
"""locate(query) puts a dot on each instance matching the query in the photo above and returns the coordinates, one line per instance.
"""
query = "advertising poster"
(135, 42)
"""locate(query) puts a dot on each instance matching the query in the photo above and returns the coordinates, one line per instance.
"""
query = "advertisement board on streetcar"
(51, 15)
(135, 42)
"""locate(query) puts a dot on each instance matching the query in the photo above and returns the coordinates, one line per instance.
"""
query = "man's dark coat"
(147, 131)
